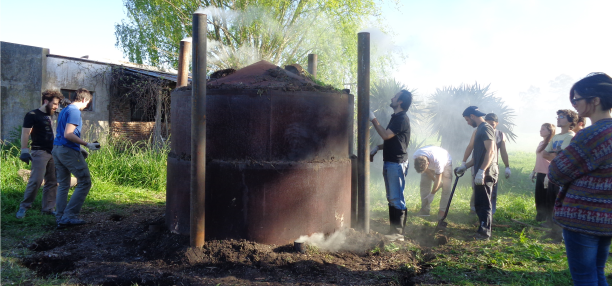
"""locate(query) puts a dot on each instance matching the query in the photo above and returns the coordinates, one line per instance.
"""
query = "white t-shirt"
(437, 156)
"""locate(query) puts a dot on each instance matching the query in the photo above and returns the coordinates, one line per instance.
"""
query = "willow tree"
(446, 105)
(244, 31)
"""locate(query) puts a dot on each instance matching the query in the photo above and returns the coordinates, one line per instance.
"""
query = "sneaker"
(423, 212)
(394, 237)
(481, 237)
(21, 213)
(70, 222)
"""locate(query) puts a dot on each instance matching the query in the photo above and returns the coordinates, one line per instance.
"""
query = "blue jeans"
(586, 257)
(394, 174)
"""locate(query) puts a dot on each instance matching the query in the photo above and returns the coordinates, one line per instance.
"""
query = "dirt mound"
(135, 249)
(262, 75)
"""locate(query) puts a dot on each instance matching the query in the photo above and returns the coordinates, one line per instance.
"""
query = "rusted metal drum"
(277, 163)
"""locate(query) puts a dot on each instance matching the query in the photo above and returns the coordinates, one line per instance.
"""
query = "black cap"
(473, 110)
(491, 117)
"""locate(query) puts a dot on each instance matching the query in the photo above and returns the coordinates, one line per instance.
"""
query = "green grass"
(123, 175)
(516, 255)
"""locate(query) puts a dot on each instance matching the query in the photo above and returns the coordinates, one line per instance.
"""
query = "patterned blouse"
(584, 169)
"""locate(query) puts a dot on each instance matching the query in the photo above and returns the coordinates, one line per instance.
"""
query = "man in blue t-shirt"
(69, 158)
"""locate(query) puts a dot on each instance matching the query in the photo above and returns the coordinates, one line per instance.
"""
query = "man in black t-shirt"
(483, 158)
(396, 138)
(37, 124)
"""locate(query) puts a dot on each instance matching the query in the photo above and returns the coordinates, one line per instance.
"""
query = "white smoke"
(333, 242)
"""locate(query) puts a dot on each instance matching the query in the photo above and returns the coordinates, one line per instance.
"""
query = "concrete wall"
(64, 73)
(22, 74)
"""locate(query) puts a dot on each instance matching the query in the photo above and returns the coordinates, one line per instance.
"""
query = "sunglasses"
(574, 101)
(560, 116)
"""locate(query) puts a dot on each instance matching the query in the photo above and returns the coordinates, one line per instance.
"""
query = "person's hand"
(546, 182)
(461, 169)
(372, 116)
(533, 176)
(479, 178)
(430, 198)
(25, 155)
(84, 153)
(508, 172)
(373, 152)
(93, 146)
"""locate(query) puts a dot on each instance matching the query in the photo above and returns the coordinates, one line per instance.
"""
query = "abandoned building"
(126, 96)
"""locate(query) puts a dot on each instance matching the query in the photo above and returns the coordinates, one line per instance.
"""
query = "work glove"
(25, 155)
(429, 198)
(508, 172)
(93, 146)
(479, 178)
(372, 116)
(546, 182)
(461, 169)
(84, 153)
(533, 176)
(373, 152)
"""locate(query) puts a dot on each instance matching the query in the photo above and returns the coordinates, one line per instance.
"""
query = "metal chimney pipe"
(363, 131)
(312, 65)
(183, 65)
(198, 132)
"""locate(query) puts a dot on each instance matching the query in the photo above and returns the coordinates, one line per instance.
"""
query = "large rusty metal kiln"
(277, 160)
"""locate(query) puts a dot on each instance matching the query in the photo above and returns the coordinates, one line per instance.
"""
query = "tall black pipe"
(198, 131)
(363, 131)
(312, 65)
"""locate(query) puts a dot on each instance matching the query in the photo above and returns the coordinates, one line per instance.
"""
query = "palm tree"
(444, 111)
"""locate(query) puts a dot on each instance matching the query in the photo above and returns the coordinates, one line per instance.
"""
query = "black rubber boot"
(401, 221)
(392, 220)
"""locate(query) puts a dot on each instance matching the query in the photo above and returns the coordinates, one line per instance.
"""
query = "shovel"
(441, 226)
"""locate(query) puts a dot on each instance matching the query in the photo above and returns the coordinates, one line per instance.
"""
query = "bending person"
(436, 167)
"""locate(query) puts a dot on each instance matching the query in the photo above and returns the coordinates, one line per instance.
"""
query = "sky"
(529, 52)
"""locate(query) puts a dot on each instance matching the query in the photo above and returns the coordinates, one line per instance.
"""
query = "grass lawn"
(125, 175)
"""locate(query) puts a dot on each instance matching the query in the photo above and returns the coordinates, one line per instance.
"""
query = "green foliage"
(446, 105)
(243, 32)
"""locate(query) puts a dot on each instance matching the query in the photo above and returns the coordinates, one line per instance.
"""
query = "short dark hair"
(82, 94)
(572, 117)
(419, 163)
(594, 85)
(406, 98)
(491, 117)
(50, 94)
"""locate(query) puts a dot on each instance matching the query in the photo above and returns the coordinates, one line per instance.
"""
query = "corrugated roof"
(168, 76)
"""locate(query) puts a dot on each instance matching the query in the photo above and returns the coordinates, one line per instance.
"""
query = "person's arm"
(437, 182)
(548, 155)
(488, 156)
(572, 163)
(70, 136)
(548, 152)
(25, 137)
(469, 148)
(504, 153)
(469, 164)
(385, 134)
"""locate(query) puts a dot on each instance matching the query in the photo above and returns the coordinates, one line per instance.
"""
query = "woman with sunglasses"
(584, 170)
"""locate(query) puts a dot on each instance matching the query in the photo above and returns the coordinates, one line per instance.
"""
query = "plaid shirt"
(584, 169)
